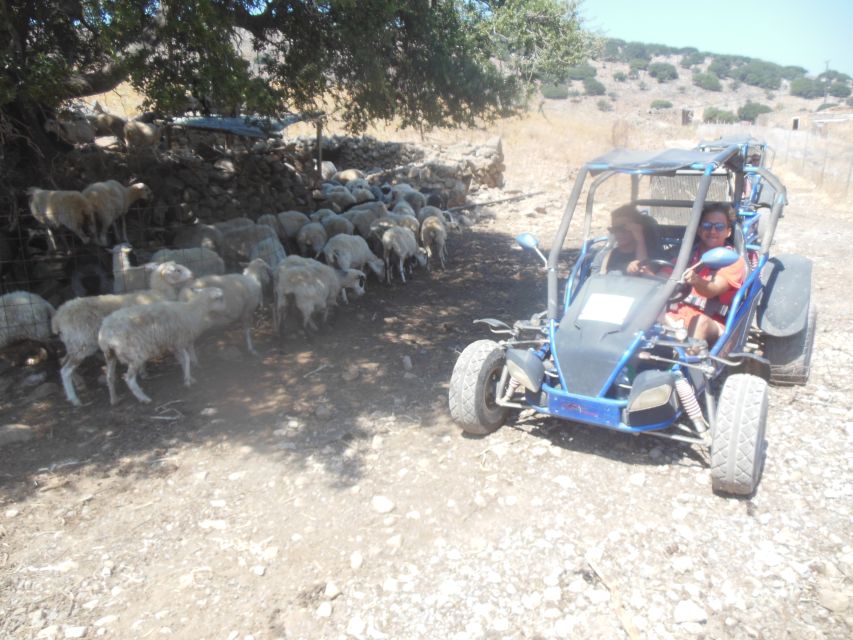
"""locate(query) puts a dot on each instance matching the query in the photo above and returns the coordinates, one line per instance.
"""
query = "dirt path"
(322, 491)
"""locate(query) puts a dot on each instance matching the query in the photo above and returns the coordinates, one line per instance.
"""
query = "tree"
(751, 110)
(611, 50)
(636, 65)
(707, 81)
(425, 63)
(663, 71)
(806, 88)
(713, 114)
(581, 71)
(692, 59)
(593, 87)
(620, 76)
(758, 73)
(661, 104)
(839, 90)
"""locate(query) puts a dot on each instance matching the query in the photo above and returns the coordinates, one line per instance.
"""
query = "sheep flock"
(293, 265)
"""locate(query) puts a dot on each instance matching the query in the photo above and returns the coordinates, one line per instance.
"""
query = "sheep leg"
(185, 358)
(51, 240)
(344, 295)
(402, 271)
(429, 256)
(67, 374)
(112, 363)
(247, 331)
(442, 256)
(130, 379)
(387, 269)
(123, 228)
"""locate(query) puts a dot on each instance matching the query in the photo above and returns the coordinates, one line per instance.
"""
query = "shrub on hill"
(663, 71)
(692, 59)
(581, 71)
(758, 73)
(707, 81)
(806, 88)
(839, 90)
(792, 71)
(751, 110)
(637, 65)
(554, 91)
(661, 104)
(604, 105)
(593, 87)
(620, 76)
(718, 116)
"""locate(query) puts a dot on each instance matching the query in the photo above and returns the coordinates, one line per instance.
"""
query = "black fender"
(784, 306)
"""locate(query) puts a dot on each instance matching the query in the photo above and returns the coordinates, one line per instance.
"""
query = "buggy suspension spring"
(510, 389)
(690, 403)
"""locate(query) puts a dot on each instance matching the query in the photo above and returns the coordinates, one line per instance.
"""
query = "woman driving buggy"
(703, 311)
(634, 241)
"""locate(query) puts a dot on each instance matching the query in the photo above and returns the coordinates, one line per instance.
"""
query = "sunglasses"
(719, 227)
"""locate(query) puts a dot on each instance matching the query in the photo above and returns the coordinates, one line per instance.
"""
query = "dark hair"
(627, 211)
(719, 207)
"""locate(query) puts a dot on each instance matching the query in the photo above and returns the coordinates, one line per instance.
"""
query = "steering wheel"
(682, 289)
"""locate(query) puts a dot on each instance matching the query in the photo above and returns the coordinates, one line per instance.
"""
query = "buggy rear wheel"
(474, 388)
(791, 357)
(737, 441)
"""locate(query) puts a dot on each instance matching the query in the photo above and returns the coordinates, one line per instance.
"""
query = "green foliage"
(751, 110)
(849, 102)
(620, 76)
(839, 90)
(635, 50)
(734, 85)
(612, 50)
(369, 60)
(642, 86)
(824, 105)
(661, 104)
(720, 66)
(791, 72)
(604, 105)
(692, 59)
(758, 73)
(719, 116)
(554, 91)
(638, 64)
(581, 71)
(707, 81)
(593, 87)
(663, 71)
(806, 88)
(831, 75)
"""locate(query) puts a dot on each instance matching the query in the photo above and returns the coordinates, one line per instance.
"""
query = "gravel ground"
(323, 492)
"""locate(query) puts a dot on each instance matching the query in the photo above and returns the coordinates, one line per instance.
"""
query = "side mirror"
(528, 241)
(719, 258)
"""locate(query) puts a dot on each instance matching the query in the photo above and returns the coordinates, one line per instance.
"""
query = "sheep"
(202, 262)
(321, 214)
(357, 183)
(71, 128)
(328, 170)
(125, 276)
(141, 135)
(409, 222)
(434, 238)
(24, 316)
(107, 124)
(363, 218)
(198, 235)
(311, 238)
(270, 250)
(77, 321)
(314, 288)
(348, 252)
(348, 174)
(336, 225)
(401, 242)
(111, 200)
(337, 197)
(243, 295)
(403, 208)
(271, 220)
(404, 192)
(237, 243)
(135, 335)
(450, 221)
(69, 209)
(233, 223)
(291, 222)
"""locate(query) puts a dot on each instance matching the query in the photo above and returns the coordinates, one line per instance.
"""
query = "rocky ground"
(322, 491)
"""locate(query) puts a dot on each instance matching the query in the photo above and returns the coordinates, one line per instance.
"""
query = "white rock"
(390, 585)
(356, 626)
(74, 632)
(565, 481)
(689, 611)
(102, 622)
(382, 504)
(213, 524)
(331, 591)
(407, 363)
(324, 610)
(259, 570)
(356, 560)
(681, 564)
(552, 594)
(48, 632)
(12, 513)
(637, 479)
(598, 596)
(833, 600)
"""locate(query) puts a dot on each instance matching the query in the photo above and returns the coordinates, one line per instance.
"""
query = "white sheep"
(202, 262)
(127, 277)
(141, 135)
(77, 321)
(362, 218)
(111, 200)
(321, 214)
(400, 242)
(107, 124)
(270, 250)
(243, 295)
(434, 238)
(337, 197)
(237, 243)
(363, 194)
(336, 225)
(198, 235)
(69, 209)
(135, 335)
(24, 316)
(311, 239)
(291, 222)
(271, 220)
(314, 288)
(404, 192)
(352, 252)
(404, 208)
(347, 175)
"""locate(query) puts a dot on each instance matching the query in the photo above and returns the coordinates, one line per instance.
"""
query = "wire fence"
(815, 154)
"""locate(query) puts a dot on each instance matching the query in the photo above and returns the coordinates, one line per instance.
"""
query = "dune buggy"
(600, 354)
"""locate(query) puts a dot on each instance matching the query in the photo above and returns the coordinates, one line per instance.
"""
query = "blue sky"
(782, 31)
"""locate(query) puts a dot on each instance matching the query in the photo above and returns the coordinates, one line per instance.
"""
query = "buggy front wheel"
(474, 388)
(737, 439)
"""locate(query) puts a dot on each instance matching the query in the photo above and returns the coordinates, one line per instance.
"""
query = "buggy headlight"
(650, 398)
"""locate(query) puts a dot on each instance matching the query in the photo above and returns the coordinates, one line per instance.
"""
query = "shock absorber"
(690, 403)
(511, 386)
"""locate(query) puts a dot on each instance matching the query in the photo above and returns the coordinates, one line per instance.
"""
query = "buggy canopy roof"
(730, 141)
(667, 161)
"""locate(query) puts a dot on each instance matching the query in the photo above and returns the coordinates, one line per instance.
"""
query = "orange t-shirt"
(734, 276)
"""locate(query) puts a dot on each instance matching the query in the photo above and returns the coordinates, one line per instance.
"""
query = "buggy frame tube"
(554, 254)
